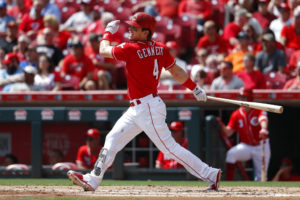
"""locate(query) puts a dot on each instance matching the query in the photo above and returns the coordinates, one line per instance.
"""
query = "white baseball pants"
(150, 116)
(245, 152)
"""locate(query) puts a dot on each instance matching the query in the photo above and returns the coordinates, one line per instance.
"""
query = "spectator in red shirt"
(294, 84)
(212, 41)
(252, 78)
(263, 16)
(79, 66)
(18, 11)
(87, 154)
(290, 35)
(199, 9)
(60, 37)
(285, 171)
(31, 24)
(177, 131)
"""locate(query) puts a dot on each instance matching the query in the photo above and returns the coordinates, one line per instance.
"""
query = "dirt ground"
(151, 192)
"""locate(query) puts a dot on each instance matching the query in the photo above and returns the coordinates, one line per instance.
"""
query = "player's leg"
(240, 152)
(152, 120)
(123, 132)
(257, 159)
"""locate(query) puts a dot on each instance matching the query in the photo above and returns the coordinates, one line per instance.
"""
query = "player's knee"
(230, 157)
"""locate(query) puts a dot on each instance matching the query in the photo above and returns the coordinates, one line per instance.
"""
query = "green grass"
(66, 182)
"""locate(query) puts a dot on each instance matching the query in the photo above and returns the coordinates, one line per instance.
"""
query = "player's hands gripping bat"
(199, 94)
(111, 28)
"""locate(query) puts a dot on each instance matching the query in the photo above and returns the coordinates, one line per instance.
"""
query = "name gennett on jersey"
(149, 51)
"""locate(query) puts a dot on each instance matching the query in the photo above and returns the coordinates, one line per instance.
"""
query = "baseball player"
(144, 59)
(163, 161)
(252, 127)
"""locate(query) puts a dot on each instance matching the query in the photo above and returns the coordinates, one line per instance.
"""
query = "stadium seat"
(162, 22)
(275, 80)
(66, 12)
(159, 37)
(130, 3)
(110, 5)
(122, 13)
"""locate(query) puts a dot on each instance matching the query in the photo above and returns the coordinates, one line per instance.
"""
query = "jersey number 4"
(155, 70)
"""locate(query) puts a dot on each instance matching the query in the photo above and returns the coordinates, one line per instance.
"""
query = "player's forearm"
(179, 74)
(105, 49)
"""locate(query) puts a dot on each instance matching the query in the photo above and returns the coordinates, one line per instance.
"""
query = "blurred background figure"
(177, 131)
(10, 159)
(294, 83)
(285, 171)
(87, 154)
(55, 156)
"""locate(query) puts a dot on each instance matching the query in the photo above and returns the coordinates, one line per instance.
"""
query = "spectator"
(253, 36)
(198, 9)
(45, 78)
(274, 6)
(177, 131)
(251, 78)
(252, 127)
(166, 8)
(263, 16)
(227, 80)
(202, 79)
(212, 41)
(11, 38)
(11, 62)
(201, 56)
(31, 57)
(270, 59)
(284, 19)
(285, 171)
(87, 154)
(5, 19)
(294, 84)
(22, 46)
(33, 21)
(10, 159)
(290, 34)
(60, 37)
(78, 20)
(103, 68)
(95, 26)
(49, 9)
(236, 56)
(166, 78)
(80, 66)
(46, 47)
(18, 11)
(28, 81)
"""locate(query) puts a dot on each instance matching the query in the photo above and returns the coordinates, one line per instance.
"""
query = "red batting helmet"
(176, 126)
(143, 20)
(94, 133)
(247, 92)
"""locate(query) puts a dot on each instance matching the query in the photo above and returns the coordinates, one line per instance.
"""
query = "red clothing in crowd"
(168, 8)
(294, 59)
(17, 13)
(292, 38)
(255, 80)
(293, 177)
(247, 124)
(264, 20)
(79, 68)
(30, 24)
(60, 39)
(293, 82)
(192, 7)
(94, 27)
(168, 163)
(86, 158)
(219, 46)
(231, 30)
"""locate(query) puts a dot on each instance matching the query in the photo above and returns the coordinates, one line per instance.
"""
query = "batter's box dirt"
(151, 192)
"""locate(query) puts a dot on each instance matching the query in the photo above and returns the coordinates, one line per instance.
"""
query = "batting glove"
(112, 27)
(199, 94)
(263, 134)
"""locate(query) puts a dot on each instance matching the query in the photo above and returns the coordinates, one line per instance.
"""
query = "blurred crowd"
(223, 44)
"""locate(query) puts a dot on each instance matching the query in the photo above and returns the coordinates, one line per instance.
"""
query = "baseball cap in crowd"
(93, 133)
(12, 24)
(286, 162)
(284, 7)
(242, 13)
(268, 37)
(176, 126)
(2, 4)
(9, 57)
(30, 69)
(243, 35)
(172, 45)
(24, 38)
(143, 20)
(75, 42)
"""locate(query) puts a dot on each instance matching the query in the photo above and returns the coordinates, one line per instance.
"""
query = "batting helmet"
(143, 20)
(176, 126)
(94, 133)
(247, 92)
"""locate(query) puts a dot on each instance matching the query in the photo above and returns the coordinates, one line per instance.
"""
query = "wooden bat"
(256, 105)
(263, 165)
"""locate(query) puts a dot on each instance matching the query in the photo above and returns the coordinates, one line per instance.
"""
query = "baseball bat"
(263, 165)
(256, 105)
